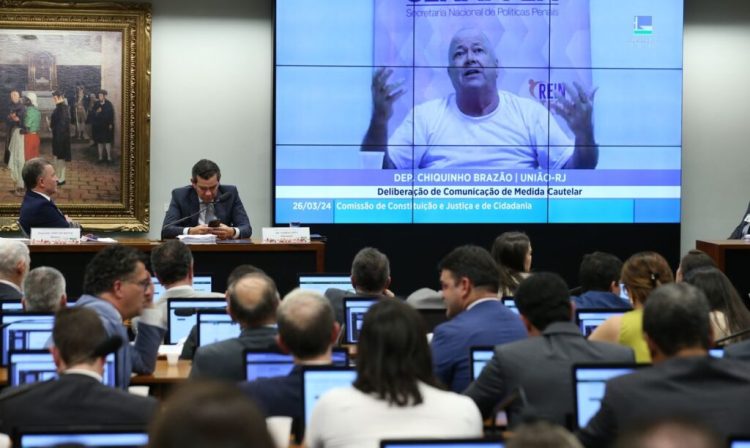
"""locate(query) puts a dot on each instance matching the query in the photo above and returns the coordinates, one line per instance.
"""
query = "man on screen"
(480, 126)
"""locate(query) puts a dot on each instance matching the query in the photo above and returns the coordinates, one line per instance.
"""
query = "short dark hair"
(695, 259)
(392, 354)
(676, 317)
(112, 263)
(598, 270)
(474, 263)
(371, 270)
(680, 430)
(543, 299)
(32, 170)
(171, 261)
(103, 92)
(305, 320)
(542, 434)
(509, 252)
(205, 169)
(643, 272)
(261, 311)
(58, 93)
(77, 333)
(200, 414)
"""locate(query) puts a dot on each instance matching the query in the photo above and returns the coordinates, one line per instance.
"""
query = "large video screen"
(478, 111)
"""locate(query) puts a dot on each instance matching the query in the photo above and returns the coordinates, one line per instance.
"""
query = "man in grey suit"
(252, 302)
(541, 365)
(371, 277)
(684, 381)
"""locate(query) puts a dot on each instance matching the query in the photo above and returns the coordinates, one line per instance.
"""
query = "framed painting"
(96, 59)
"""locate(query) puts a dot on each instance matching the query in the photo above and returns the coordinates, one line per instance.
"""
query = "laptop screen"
(267, 364)
(216, 326)
(589, 382)
(717, 352)
(12, 306)
(735, 442)
(87, 439)
(182, 315)
(38, 365)
(26, 331)
(201, 283)
(469, 443)
(354, 314)
(322, 282)
(510, 302)
(589, 320)
(317, 381)
(480, 356)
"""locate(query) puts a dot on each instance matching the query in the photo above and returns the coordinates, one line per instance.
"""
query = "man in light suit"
(78, 396)
(14, 266)
(469, 279)
(207, 207)
(37, 208)
(541, 365)
(742, 228)
(684, 381)
(307, 330)
(252, 302)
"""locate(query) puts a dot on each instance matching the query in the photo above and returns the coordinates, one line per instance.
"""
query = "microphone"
(223, 197)
(732, 336)
(20, 321)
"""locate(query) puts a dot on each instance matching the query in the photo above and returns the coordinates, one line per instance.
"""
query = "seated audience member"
(38, 209)
(44, 290)
(469, 280)
(216, 415)
(694, 259)
(191, 343)
(77, 396)
(542, 435)
(371, 276)
(599, 276)
(14, 265)
(541, 365)
(117, 286)
(728, 313)
(395, 395)
(307, 330)
(684, 380)
(670, 432)
(641, 274)
(172, 264)
(512, 253)
(251, 301)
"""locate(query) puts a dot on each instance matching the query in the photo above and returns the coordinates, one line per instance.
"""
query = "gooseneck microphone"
(223, 197)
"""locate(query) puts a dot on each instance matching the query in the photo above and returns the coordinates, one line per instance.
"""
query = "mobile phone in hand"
(214, 223)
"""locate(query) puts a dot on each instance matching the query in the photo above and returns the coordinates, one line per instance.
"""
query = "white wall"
(212, 93)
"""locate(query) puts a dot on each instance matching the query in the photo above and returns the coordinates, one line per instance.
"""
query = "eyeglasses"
(145, 283)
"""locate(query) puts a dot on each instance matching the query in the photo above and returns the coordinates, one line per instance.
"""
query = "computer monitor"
(444, 443)
(182, 315)
(354, 313)
(480, 356)
(717, 352)
(739, 442)
(12, 306)
(25, 331)
(316, 381)
(589, 319)
(31, 366)
(589, 382)
(320, 282)
(268, 364)
(510, 302)
(215, 326)
(201, 283)
(93, 438)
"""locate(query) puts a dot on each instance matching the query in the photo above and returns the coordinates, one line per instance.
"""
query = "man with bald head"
(251, 301)
(480, 126)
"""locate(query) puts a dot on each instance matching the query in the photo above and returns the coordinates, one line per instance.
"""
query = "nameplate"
(286, 235)
(55, 235)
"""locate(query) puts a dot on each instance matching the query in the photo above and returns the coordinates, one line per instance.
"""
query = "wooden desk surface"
(164, 373)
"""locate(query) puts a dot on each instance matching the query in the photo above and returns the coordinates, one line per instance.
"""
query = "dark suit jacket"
(715, 391)
(37, 211)
(738, 350)
(185, 203)
(73, 399)
(737, 232)
(223, 360)
(542, 366)
(9, 293)
(280, 396)
(487, 323)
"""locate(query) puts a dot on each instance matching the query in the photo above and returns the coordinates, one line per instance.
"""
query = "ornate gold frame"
(133, 20)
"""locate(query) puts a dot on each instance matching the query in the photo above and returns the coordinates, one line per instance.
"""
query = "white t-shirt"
(348, 418)
(514, 135)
